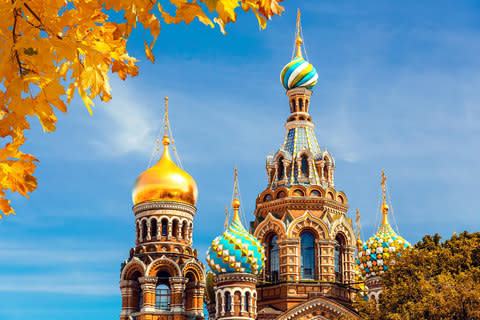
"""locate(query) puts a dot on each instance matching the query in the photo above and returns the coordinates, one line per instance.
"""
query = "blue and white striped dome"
(299, 73)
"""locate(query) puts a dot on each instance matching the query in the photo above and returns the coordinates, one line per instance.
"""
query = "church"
(300, 258)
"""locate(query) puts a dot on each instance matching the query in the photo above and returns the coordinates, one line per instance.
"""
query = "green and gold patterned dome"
(375, 256)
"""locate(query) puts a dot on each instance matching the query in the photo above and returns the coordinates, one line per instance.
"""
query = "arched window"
(338, 259)
(137, 231)
(164, 227)
(144, 230)
(292, 108)
(247, 302)
(304, 166)
(175, 228)
(137, 300)
(307, 256)
(162, 292)
(154, 228)
(280, 169)
(274, 258)
(228, 302)
(300, 104)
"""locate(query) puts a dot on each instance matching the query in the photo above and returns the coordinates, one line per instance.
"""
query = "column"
(169, 232)
(130, 290)
(148, 285)
(289, 259)
(327, 259)
(177, 287)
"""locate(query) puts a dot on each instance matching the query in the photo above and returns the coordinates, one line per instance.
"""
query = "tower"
(162, 278)
(236, 258)
(378, 253)
(300, 218)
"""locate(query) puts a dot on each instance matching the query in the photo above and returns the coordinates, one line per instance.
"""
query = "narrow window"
(228, 302)
(144, 230)
(175, 228)
(274, 258)
(247, 302)
(154, 228)
(307, 256)
(338, 259)
(164, 227)
(162, 292)
(304, 167)
(280, 169)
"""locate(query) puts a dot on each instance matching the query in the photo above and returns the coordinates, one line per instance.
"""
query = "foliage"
(51, 48)
(434, 280)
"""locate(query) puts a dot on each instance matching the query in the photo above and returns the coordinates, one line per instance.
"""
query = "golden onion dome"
(165, 181)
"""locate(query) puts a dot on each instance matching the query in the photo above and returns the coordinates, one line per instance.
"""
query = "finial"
(298, 40)
(236, 202)
(384, 203)
(166, 140)
(359, 241)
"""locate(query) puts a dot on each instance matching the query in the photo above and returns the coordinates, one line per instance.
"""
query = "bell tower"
(163, 278)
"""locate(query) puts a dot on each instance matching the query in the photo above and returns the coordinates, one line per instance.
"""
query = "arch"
(344, 227)
(268, 225)
(307, 255)
(341, 197)
(163, 264)
(329, 195)
(318, 308)
(307, 222)
(134, 265)
(305, 166)
(281, 194)
(247, 302)
(281, 169)
(300, 105)
(193, 267)
(297, 190)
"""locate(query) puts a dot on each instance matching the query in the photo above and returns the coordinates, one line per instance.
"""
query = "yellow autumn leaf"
(63, 46)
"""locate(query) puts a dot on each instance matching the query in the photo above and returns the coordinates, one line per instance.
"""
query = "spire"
(384, 203)
(359, 241)
(236, 202)
(298, 39)
(166, 139)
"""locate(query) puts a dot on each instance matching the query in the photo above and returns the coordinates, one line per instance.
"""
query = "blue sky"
(398, 90)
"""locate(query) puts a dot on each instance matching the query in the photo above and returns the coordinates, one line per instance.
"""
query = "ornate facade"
(297, 262)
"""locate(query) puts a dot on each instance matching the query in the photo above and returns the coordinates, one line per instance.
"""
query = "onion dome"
(236, 250)
(165, 181)
(298, 73)
(376, 254)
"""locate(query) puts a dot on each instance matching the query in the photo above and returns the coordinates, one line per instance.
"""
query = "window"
(184, 230)
(164, 227)
(274, 258)
(304, 167)
(247, 302)
(307, 256)
(144, 230)
(162, 292)
(280, 169)
(338, 259)
(154, 229)
(300, 104)
(228, 302)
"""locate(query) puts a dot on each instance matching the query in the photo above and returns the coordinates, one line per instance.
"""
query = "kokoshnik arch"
(298, 260)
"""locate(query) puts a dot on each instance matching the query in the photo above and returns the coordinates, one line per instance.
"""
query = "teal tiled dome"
(235, 250)
(299, 74)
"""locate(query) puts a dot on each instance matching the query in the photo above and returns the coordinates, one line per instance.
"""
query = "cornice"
(163, 205)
